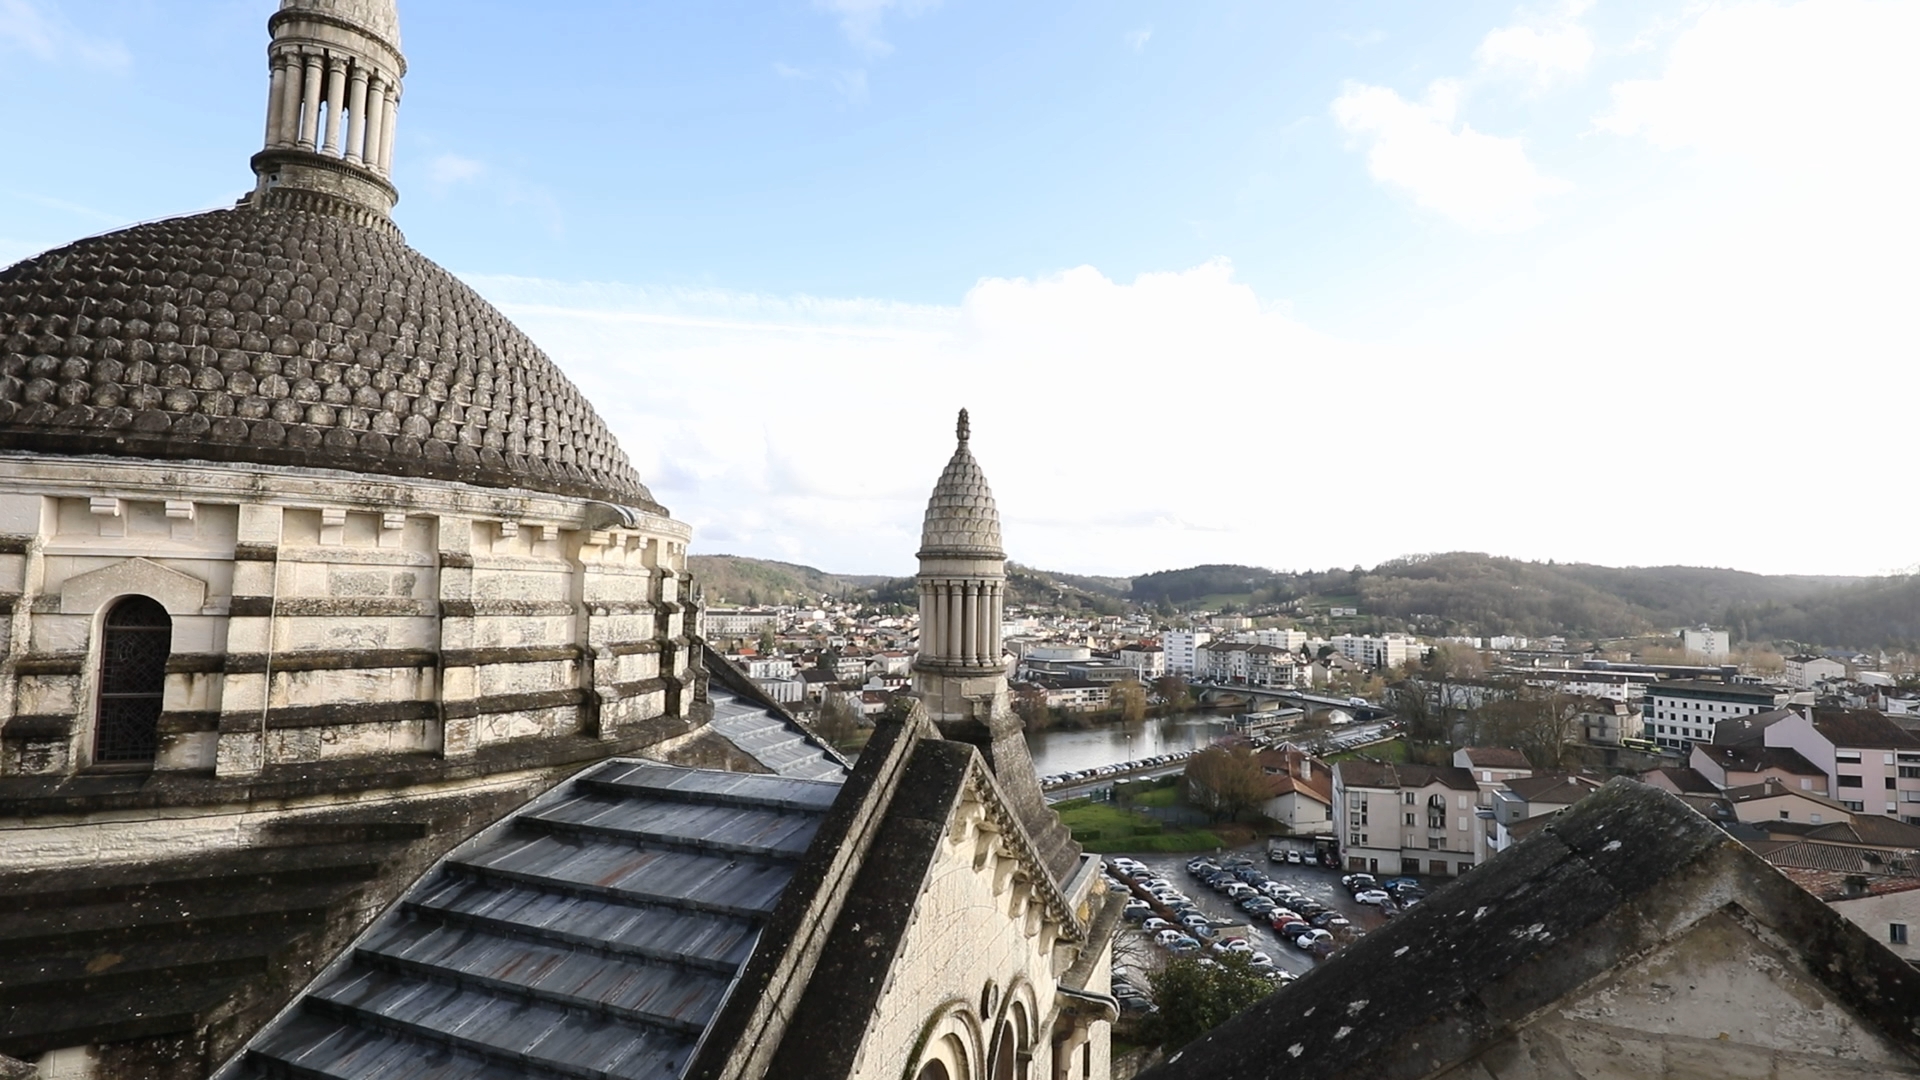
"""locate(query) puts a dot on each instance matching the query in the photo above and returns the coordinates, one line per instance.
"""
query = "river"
(1064, 750)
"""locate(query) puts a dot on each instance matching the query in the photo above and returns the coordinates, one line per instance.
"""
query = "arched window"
(133, 675)
(934, 1070)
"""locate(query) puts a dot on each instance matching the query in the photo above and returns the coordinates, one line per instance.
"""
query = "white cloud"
(1545, 49)
(812, 429)
(446, 170)
(1137, 39)
(860, 20)
(1823, 85)
(26, 27)
(1484, 182)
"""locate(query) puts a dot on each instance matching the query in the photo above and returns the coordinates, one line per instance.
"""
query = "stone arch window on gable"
(134, 643)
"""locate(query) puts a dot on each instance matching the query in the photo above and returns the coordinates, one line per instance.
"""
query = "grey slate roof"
(1601, 885)
(594, 933)
(771, 738)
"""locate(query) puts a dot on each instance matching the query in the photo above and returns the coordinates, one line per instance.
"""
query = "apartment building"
(1389, 650)
(1148, 662)
(1874, 762)
(1682, 712)
(1407, 819)
(1182, 650)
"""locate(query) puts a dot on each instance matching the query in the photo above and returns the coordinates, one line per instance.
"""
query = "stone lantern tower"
(960, 673)
(332, 102)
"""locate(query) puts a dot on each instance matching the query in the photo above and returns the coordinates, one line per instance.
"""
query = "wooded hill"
(1451, 593)
(1473, 593)
(739, 580)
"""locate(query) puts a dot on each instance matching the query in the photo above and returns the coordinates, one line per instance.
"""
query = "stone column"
(287, 123)
(309, 138)
(276, 88)
(926, 618)
(357, 115)
(969, 624)
(376, 119)
(336, 100)
(950, 645)
(388, 121)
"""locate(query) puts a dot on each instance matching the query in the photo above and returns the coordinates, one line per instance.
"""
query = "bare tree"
(1129, 698)
(1226, 781)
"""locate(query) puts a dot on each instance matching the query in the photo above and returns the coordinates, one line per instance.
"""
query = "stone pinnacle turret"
(960, 673)
(333, 101)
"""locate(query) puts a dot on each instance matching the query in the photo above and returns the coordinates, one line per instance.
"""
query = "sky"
(1294, 285)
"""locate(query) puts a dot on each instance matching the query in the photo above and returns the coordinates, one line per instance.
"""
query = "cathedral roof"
(961, 517)
(596, 932)
(286, 336)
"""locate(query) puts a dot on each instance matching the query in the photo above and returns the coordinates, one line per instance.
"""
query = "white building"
(1804, 671)
(1148, 662)
(1706, 643)
(1182, 648)
(1684, 711)
(723, 623)
(1390, 650)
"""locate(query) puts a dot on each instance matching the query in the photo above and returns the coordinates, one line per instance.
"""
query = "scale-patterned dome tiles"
(961, 516)
(289, 337)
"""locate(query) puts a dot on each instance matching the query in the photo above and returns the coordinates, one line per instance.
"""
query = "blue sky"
(1290, 284)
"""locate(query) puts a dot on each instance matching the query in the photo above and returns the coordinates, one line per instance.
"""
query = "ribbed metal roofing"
(595, 933)
(770, 738)
(961, 516)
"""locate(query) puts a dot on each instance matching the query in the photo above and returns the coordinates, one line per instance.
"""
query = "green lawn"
(1105, 827)
(1160, 797)
(1395, 751)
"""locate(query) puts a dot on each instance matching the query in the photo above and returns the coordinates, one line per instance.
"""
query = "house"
(1739, 766)
(1770, 800)
(1631, 939)
(1606, 722)
(1874, 762)
(1492, 767)
(1534, 799)
(1407, 819)
(1804, 670)
(1300, 790)
(1679, 781)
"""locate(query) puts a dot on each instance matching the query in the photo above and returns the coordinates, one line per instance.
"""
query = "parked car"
(1184, 946)
(1312, 939)
(1137, 910)
(1291, 928)
(1357, 882)
(1156, 925)
(1372, 896)
(1395, 884)
(1259, 961)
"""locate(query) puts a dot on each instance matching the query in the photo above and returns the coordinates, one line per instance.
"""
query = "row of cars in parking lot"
(1082, 776)
(1171, 920)
(1390, 896)
(1299, 919)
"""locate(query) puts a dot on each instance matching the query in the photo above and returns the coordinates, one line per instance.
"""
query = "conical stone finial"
(964, 428)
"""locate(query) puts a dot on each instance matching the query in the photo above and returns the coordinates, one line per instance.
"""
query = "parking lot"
(1316, 883)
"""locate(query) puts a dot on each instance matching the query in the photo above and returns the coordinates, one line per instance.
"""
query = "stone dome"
(289, 337)
(962, 519)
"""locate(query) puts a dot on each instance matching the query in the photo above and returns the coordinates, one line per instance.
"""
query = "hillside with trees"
(737, 579)
(1442, 594)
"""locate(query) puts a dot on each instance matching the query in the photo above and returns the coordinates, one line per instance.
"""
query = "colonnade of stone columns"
(311, 93)
(960, 621)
